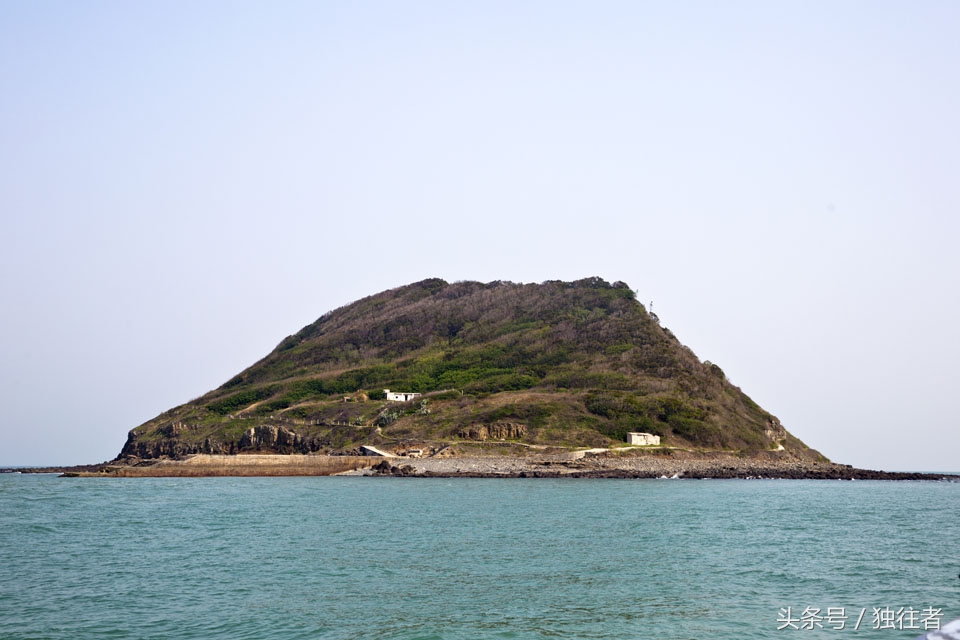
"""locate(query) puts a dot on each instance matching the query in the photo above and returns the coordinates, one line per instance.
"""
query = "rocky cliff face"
(263, 438)
(272, 437)
(498, 431)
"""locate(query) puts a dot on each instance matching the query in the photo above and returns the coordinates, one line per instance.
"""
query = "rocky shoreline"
(692, 467)
(575, 464)
(79, 468)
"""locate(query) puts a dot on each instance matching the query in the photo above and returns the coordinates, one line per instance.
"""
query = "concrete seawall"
(200, 466)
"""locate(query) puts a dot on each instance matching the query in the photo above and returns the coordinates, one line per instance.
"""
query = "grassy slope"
(578, 363)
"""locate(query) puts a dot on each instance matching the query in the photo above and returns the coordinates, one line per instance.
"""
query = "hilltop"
(499, 367)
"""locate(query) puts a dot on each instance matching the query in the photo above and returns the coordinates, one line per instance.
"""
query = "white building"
(642, 438)
(400, 397)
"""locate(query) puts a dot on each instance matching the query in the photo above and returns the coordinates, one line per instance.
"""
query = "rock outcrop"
(497, 431)
(261, 438)
(774, 431)
(272, 437)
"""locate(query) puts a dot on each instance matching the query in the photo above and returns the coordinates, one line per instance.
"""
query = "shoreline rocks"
(676, 464)
(717, 467)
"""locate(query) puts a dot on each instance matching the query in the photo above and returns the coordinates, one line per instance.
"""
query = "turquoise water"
(465, 558)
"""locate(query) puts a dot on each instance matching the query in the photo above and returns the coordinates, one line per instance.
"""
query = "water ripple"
(339, 558)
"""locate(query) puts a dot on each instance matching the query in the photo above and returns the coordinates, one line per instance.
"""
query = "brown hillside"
(559, 364)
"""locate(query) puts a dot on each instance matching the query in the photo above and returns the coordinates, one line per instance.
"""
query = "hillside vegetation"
(559, 364)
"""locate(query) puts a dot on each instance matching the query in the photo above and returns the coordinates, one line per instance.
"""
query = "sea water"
(407, 558)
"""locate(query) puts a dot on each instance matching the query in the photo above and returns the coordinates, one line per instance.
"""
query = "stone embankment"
(238, 466)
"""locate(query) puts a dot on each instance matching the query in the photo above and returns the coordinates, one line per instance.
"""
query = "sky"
(183, 184)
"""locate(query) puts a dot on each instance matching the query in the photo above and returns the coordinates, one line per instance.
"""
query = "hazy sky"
(183, 184)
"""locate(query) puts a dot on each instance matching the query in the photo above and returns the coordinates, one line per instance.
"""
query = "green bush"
(504, 382)
(617, 349)
(288, 343)
(696, 431)
(275, 405)
(239, 400)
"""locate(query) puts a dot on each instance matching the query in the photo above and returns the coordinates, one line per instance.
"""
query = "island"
(499, 379)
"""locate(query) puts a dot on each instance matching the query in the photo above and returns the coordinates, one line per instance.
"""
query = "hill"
(557, 364)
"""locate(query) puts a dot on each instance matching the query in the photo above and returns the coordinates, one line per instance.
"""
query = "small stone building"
(393, 396)
(642, 438)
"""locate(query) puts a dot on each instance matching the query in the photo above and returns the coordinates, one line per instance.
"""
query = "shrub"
(696, 431)
(239, 400)
(617, 349)
(387, 417)
(288, 343)
(275, 405)
(505, 382)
